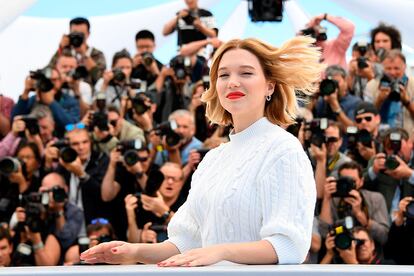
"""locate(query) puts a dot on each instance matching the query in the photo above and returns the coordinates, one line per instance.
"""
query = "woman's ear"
(270, 88)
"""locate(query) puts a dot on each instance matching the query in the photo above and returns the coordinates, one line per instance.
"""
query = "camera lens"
(9, 165)
(68, 155)
(343, 240)
(327, 87)
(131, 157)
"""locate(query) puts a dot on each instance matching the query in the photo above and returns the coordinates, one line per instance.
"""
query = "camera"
(9, 165)
(147, 58)
(344, 185)
(76, 39)
(59, 194)
(100, 99)
(315, 131)
(317, 32)
(34, 213)
(328, 86)
(409, 212)
(67, 154)
(31, 125)
(167, 129)
(181, 66)
(202, 153)
(358, 136)
(343, 237)
(206, 82)
(394, 85)
(391, 162)
(104, 238)
(154, 181)
(189, 19)
(128, 149)
(98, 119)
(362, 48)
(119, 76)
(43, 79)
(139, 103)
(79, 73)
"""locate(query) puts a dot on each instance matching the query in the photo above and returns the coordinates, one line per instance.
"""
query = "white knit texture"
(258, 186)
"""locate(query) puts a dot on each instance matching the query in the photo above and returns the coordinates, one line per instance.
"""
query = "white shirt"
(258, 186)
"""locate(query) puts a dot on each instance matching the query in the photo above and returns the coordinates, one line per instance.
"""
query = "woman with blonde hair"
(251, 199)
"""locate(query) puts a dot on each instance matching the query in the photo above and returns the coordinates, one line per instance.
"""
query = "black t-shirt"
(188, 33)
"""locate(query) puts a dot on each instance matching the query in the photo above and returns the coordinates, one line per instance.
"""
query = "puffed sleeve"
(288, 194)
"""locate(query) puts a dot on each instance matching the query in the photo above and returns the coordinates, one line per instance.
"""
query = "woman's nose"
(233, 82)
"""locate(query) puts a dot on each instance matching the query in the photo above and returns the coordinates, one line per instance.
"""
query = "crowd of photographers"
(90, 154)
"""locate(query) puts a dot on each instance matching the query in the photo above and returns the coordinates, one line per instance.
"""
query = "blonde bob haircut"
(293, 67)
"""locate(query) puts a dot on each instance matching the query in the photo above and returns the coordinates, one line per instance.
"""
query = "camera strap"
(332, 163)
(118, 95)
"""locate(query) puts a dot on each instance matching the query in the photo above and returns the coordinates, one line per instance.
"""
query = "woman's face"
(28, 157)
(125, 65)
(241, 84)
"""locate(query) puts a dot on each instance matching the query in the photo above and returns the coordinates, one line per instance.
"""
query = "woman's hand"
(114, 252)
(197, 257)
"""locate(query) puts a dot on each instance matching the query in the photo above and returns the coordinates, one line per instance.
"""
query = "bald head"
(53, 179)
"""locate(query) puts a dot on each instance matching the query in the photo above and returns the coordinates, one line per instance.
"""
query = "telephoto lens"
(9, 165)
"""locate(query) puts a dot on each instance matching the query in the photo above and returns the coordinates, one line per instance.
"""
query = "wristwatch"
(337, 112)
(165, 216)
(38, 246)
(59, 213)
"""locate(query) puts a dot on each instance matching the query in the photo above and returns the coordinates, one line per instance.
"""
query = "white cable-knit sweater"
(258, 186)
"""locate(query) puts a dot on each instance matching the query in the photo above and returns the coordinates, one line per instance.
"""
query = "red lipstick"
(235, 95)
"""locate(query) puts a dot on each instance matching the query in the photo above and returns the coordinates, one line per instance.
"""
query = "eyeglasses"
(367, 118)
(71, 127)
(100, 221)
(331, 139)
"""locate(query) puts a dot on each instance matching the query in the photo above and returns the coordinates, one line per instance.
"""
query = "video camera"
(43, 79)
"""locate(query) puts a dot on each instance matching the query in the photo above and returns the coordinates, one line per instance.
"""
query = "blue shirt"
(163, 157)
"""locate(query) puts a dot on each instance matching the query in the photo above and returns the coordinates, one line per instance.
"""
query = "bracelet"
(38, 246)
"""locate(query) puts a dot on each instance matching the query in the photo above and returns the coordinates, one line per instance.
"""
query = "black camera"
(79, 73)
(317, 32)
(147, 58)
(167, 129)
(181, 66)
(119, 76)
(154, 181)
(344, 185)
(59, 194)
(315, 131)
(9, 165)
(328, 86)
(43, 79)
(34, 214)
(129, 150)
(67, 154)
(31, 124)
(362, 48)
(394, 85)
(343, 237)
(76, 39)
(139, 103)
(98, 119)
(189, 19)
(391, 162)
(104, 238)
(100, 100)
(358, 136)
(206, 82)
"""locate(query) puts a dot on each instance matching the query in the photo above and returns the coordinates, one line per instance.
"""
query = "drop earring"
(268, 98)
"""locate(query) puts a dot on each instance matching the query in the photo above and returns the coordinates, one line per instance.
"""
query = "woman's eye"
(247, 73)
(223, 75)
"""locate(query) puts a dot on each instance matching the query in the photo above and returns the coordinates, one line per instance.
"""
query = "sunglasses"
(100, 221)
(331, 140)
(359, 120)
(71, 127)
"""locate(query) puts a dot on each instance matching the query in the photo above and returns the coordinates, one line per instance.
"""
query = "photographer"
(114, 83)
(334, 50)
(145, 66)
(6, 247)
(192, 24)
(345, 201)
(391, 173)
(76, 41)
(400, 246)
(83, 172)
(362, 250)
(393, 94)
(47, 83)
(73, 80)
(364, 140)
(336, 102)
(327, 156)
(186, 129)
(362, 68)
(18, 176)
(124, 176)
(149, 215)
(121, 130)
